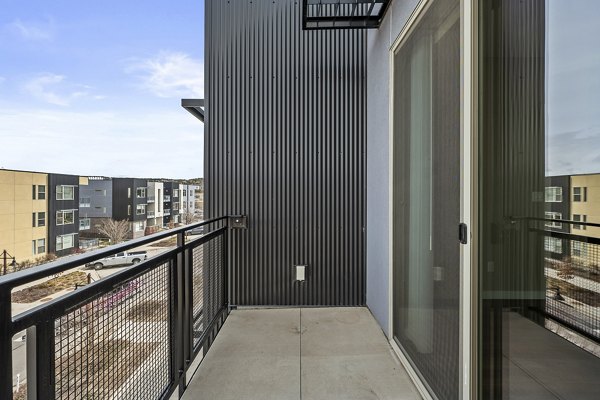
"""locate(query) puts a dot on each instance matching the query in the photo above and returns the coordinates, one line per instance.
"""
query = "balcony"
(166, 198)
(151, 199)
(166, 212)
(150, 214)
(141, 332)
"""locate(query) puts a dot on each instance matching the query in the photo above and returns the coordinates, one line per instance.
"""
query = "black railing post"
(45, 361)
(226, 265)
(180, 315)
(5, 345)
(188, 317)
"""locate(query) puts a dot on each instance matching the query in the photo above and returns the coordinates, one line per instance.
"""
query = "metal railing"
(151, 199)
(132, 334)
(572, 273)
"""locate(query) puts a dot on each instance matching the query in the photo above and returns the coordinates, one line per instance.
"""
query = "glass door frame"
(468, 198)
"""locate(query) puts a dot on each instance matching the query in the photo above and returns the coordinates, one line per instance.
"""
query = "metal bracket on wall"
(238, 222)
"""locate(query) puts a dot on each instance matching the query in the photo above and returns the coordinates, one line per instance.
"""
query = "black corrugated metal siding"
(285, 144)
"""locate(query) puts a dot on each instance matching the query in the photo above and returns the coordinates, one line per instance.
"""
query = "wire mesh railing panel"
(572, 270)
(117, 346)
(208, 284)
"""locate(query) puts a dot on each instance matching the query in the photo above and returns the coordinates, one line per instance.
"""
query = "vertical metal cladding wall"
(285, 144)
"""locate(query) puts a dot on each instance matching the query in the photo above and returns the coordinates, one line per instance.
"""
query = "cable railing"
(133, 334)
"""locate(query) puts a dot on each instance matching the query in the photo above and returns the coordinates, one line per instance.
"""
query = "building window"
(33, 193)
(175, 206)
(85, 202)
(41, 246)
(128, 209)
(33, 220)
(138, 226)
(191, 204)
(64, 192)
(579, 218)
(175, 192)
(128, 192)
(553, 215)
(101, 192)
(41, 194)
(184, 193)
(140, 209)
(554, 194)
(65, 217)
(553, 245)
(38, 246)
(41, 219)
(65, 242)
(140, 192)
(84, 223)
(580, 194)
(579, 249)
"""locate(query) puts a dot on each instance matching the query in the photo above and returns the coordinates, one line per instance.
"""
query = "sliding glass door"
(539, 199)
(426, 197)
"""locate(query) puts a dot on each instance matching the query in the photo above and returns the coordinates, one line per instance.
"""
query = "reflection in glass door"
(539, 199)
(426, 197)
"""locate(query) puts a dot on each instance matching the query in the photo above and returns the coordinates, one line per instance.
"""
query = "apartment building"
(171, 204)
(24, 218)
(95, 205)
(584, 200)
(154, 212)
(130, 202)
(187, 203)
(557, 207)
(63, 212)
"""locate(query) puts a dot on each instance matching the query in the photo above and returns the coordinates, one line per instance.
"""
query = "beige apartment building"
(585, 203)
(23, 214)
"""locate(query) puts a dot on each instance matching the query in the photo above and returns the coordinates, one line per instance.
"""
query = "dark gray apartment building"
(95, 205)
(129, 202)
(63, 213)
(171, 203)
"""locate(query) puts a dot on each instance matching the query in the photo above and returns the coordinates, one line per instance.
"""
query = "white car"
(124, 258)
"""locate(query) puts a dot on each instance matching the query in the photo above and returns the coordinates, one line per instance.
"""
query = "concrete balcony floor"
(308, 353)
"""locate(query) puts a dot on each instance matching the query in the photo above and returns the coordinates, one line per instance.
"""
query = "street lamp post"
(6, 256)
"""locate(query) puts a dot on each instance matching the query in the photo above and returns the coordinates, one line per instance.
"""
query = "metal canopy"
(343, 14)
(195, 107)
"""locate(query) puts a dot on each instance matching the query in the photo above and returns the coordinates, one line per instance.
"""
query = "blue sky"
(94, 87)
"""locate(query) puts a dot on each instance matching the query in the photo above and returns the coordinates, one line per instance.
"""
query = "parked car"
(196, 231)
(124, 258)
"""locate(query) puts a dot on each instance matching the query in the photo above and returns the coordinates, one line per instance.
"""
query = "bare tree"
(188, 217)
(116, 231)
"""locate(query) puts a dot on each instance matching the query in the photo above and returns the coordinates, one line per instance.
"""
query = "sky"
(573, 87)
(95, 87)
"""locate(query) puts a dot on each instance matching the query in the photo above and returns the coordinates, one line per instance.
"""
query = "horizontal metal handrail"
(15, 279)
(68, 302)
(563, 221)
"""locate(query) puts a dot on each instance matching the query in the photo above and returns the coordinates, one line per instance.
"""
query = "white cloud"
(170, 74)
(33, 30)
(156, 144)
(54, 89)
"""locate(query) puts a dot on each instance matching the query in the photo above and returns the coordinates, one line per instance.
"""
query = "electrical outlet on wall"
(300, 273)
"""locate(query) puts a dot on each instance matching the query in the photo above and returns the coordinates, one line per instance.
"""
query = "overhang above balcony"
(195, 107)
(343, 14)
